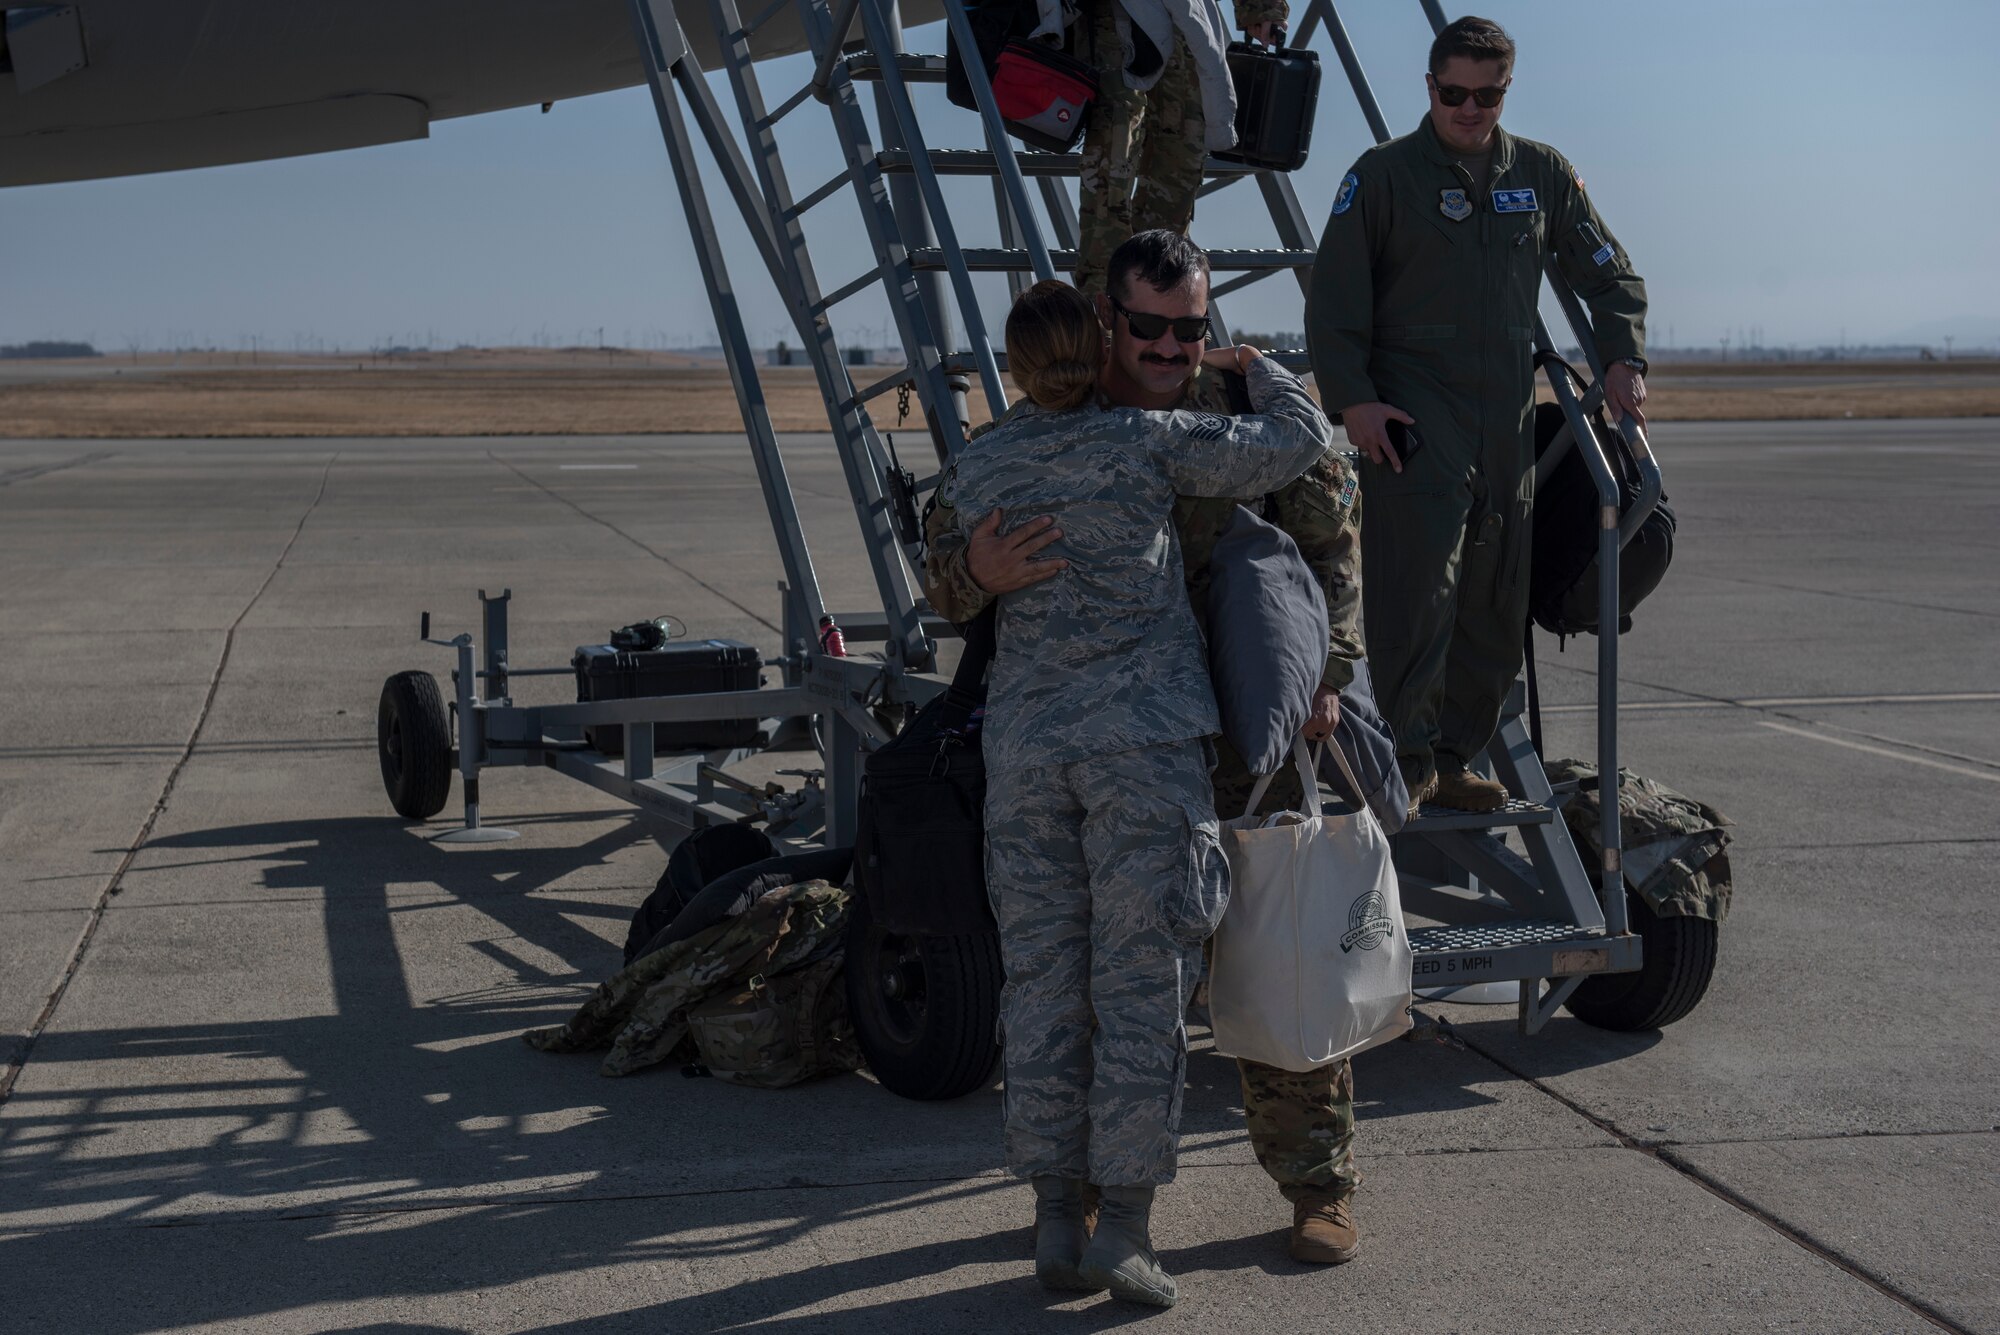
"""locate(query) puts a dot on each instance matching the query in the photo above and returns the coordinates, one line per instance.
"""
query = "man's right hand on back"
(1367, 430)
(1001, 563)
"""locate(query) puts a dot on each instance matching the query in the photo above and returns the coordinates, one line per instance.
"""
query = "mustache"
(1157, 360)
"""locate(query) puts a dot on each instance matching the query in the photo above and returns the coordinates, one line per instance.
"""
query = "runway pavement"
(281, 1090)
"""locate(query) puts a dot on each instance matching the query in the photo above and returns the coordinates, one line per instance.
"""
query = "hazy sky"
(1804, 167)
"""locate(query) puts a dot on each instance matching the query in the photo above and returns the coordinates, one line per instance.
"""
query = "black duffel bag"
(1563, 583)
(920, 832)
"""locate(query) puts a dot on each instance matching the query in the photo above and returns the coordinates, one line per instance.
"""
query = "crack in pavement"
(656, 554)
(24, 1047)
(43, 470)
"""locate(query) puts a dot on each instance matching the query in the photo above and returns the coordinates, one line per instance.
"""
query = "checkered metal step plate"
(1497, 935)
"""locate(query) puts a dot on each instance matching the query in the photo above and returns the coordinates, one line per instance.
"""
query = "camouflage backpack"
(756, 998)
(778, 1031)
(1675, 854)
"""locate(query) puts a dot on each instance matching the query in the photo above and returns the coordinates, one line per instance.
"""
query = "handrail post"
(996, 139)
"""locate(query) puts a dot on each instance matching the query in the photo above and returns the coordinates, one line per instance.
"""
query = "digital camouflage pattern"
(1320, 510)
(779, 1031)
(1106, 875)
(641, 1012)
(1107, 656)
(1675, 856)
(1302, 1126)
(1142, 150)
(1289, 1113)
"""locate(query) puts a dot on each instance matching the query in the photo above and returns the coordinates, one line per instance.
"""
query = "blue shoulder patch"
(1604, 254)
(1343, 199)
(1514, 201)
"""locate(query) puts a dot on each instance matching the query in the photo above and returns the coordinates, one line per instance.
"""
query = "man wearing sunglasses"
(1420, 316)
(1155, 315)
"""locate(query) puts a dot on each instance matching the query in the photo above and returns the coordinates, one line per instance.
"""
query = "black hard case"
(1277, 92)
(604, 672)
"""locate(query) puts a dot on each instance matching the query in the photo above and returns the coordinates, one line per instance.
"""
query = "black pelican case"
(697, 667)
(1277, 92)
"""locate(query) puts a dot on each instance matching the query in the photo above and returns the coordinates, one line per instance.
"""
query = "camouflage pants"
(1301, 1122)
(1142, 151)
(1106, 877)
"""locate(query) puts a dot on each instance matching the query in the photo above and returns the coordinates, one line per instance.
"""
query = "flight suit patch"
(947, 492)
(1603, 255)
(1349, 486)
(1343, 199)
(1454, 205)
(1514, 201)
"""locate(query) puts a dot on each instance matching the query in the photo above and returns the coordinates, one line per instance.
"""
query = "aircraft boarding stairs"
(1521, 910)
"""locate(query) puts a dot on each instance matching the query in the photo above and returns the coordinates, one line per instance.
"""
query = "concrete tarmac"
(281, 1087)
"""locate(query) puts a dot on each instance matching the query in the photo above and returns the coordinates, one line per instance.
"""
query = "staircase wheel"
(413, 741)
(926, 1009)
(1679, 961)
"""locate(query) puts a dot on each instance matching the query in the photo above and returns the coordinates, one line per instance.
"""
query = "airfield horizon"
(621, 391)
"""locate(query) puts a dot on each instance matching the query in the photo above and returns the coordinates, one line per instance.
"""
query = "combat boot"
(1462, 790)
(1323, 1229)
(1421, 780)
(1120, 1255)
(1059, 1234)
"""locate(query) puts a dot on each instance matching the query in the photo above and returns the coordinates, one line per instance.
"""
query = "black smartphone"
(1403, 439)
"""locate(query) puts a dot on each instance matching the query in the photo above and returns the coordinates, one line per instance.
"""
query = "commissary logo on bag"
(1368, 923)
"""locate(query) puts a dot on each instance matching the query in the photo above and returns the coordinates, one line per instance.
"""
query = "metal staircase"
(1537, 915)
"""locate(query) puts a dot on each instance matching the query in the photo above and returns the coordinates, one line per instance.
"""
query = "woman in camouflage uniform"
(1102, 853)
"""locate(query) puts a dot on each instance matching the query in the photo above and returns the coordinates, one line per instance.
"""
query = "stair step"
(980, 162)
(1518, 811)
(1462, 954)
(867, 66)
(1292, 359)
(995, 259)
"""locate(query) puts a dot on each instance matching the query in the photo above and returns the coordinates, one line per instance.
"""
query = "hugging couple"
(1104, 764)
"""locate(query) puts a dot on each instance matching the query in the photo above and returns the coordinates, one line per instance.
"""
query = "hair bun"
(1062, 385)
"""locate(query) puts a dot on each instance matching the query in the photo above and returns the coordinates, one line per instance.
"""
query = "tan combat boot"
(1462, 790)
(1323, 1230)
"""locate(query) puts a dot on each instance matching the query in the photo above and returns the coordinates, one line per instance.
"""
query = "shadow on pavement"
(408, 1144)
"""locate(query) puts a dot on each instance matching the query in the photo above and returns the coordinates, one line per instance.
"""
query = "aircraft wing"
(97, 88)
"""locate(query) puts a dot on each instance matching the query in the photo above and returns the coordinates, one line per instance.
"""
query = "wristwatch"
(1636, 363)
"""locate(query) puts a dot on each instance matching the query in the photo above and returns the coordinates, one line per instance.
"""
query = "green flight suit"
(1423, 297)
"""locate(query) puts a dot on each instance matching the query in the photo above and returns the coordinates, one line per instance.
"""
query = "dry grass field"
(592, 392)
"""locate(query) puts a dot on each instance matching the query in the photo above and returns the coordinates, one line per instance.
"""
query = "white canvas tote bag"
(1312, 961)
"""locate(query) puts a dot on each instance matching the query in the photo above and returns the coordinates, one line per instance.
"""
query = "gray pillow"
(1267, 639)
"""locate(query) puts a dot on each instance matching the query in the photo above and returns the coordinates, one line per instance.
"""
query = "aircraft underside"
(101, 88)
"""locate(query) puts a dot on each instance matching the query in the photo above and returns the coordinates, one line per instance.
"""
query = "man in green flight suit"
(1301, 1123)
(1421, 315)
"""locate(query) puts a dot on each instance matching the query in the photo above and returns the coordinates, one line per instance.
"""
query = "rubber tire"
(1679, 961)
(413, 742)
(953, 1045)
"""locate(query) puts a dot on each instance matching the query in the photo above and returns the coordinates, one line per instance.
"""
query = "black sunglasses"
(1147, 327)
(1454, 96)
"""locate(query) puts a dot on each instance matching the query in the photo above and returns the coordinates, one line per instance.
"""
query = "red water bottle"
(831, 642)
